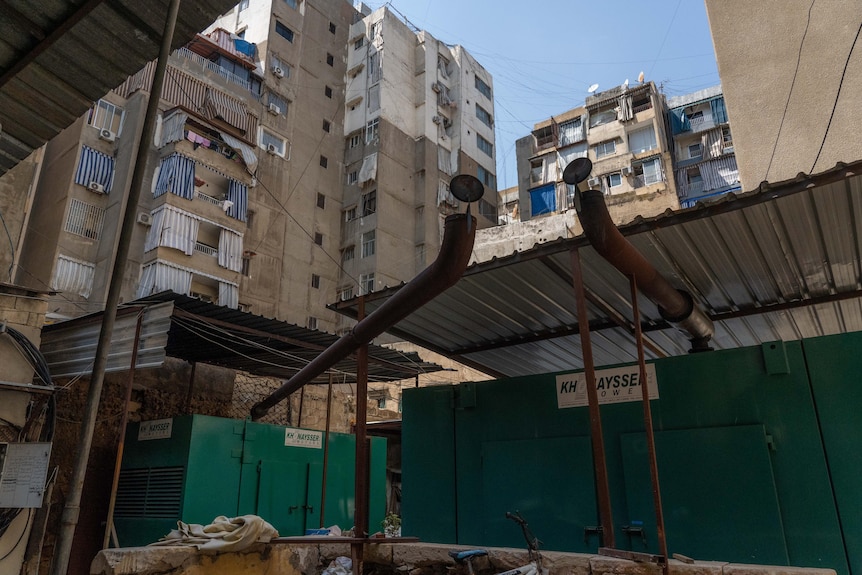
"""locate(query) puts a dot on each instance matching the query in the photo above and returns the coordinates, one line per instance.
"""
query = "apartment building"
(622, 131)
(417, 112)
(703, 153)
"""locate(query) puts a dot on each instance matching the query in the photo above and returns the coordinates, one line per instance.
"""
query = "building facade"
(703, 153)
(622, 131)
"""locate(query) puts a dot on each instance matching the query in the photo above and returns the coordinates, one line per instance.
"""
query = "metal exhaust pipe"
(458, 236)
(675, 306)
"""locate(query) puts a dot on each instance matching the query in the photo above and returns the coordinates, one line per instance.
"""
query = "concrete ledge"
(412, 559)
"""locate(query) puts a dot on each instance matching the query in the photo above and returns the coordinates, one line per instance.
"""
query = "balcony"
(642, 108)
(205, 249)
(205, 64)
(691, 189)
(702, 123)
(643, 180)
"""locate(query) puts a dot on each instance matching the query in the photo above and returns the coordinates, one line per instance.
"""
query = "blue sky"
(544, 54)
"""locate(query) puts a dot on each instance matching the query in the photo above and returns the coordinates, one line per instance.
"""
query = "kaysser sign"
(615, 385)
(303, 438)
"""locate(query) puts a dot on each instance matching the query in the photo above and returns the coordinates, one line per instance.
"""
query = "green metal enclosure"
(759, 458)
(195, 468)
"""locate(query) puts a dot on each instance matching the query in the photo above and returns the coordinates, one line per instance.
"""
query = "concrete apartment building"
(792, 83)
(622, 131)
(703, 153)
(258, 195)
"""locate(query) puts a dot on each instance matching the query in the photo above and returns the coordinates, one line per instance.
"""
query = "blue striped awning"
(237, 193)
(95, 167)
(177, 175)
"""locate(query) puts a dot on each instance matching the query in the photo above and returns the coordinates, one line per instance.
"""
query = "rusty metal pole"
(599, 461)
(360, 513)
(650, 437)
(130, 380)
(325, 452)
(301, 402)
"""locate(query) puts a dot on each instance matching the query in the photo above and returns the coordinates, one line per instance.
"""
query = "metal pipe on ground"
(447, 269)
(675, 306)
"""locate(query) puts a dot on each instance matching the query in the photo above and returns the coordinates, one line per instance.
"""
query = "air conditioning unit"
(274, 109)
(270, 148)
(627, 171)
(279, 73)
(145, 219)
(453, 104)
(437, 119)
(107, 135)
(436, 87)
(595, 183)
(96, 187)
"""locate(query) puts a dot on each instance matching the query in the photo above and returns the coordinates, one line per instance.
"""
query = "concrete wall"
(757, 46)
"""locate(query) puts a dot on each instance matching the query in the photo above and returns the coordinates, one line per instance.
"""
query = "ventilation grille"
(150, 492)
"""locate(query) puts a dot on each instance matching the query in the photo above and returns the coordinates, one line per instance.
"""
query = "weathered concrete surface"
(412, 559)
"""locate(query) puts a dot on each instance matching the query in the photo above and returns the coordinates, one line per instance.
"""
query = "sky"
(545, 54)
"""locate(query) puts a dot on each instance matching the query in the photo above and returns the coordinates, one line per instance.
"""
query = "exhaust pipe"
(447, 269)
(675, 306)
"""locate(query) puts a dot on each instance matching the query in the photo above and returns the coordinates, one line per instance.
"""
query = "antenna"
(593, 88)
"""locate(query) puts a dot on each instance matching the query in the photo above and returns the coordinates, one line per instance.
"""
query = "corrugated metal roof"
(781, 262)
(196, 331)
(58, 56)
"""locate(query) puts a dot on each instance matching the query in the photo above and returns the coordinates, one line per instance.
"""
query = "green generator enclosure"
(759, 454)
(194, 468)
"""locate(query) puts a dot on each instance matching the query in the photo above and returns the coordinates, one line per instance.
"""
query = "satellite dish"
(593, 88)
(626, 84)
(641, 77)
(577, 171)
(466, 188)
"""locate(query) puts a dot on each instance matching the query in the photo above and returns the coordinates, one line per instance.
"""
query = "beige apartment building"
(622, 131)
(792, 83)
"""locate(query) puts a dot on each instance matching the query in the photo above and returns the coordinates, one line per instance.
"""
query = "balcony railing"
(702, 123)
(213, 67)
(206, 250)
(210, 199)
(645, 180)
(642, 107)
(691, 188)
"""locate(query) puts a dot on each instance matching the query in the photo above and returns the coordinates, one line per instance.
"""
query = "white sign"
(23, 469)
(155, 429)
(303, 438)
(615, 385)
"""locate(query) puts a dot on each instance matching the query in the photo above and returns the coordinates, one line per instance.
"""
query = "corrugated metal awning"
(60, 56)
(199, 332)
(778, 263)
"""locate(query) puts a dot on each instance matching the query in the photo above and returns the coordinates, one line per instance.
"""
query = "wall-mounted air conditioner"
(595, 183)
(96, 187)
(437, 119)
(626, 171)
(436, 87)
(274, 109)
(145, 219)
(279, 73)
(271, 148)
(107, 135)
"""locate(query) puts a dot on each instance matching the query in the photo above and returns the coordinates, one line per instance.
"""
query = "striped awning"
(95, 167)
(220, 105)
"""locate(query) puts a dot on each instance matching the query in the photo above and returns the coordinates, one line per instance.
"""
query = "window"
(279, 67)
(327, 91)
(355, 139)
(600, 118)
(443, 65)
(537, 169)
(359, 43)
(487, 209)
(368, 241)
(318, 238)
(324, 161)
(483, 88)
(485, 145)
(613, 180)
(486, 177)
(647, 173)
(345, 293)
(291, 3)
(348, 253)
(315, 281)
(352, 177)
(321, 200)
(283, 31)
(272, 143)
(350, 214)
(369, 203)
(570, 132)
(243, 5)
(371, 130)
(483, 115)
(312, 322)
(327, 126)
(85, 220)
(106, 116)
(332, 28)
(241, 34)
(245, 266)
(695, 150)
(376, 29)
(606, 148)
(374, 98)
(642, 140)
(374, 67)
(366, 283)
(330, 59)
(276, 104)
(726, 138)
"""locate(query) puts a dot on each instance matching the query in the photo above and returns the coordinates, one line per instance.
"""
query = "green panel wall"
(835, 365)
(709, 390)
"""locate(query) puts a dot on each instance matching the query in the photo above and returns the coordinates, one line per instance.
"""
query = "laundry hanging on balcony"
(368, 171)
(625, 108)
(95, 168)
(176, 175)
(249, 156)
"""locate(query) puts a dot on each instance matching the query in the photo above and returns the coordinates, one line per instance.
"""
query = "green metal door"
(718, 494)
(284, 497)
(549, 481)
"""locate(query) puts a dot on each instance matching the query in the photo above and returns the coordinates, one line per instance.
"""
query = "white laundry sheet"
(223, 534)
